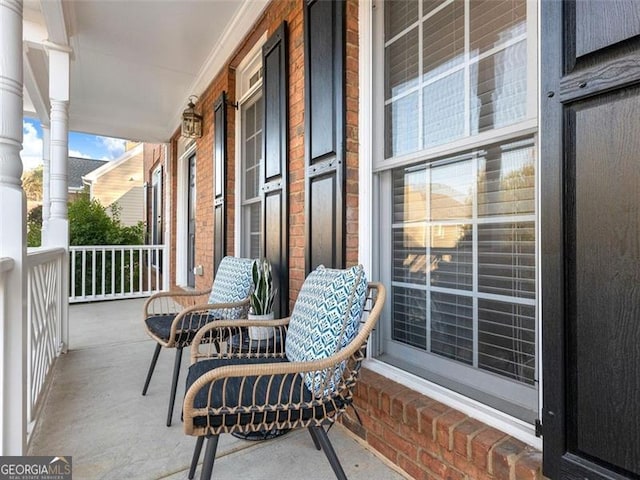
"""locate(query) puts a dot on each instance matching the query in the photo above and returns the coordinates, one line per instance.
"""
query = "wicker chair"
(279, 385)
(173, 318)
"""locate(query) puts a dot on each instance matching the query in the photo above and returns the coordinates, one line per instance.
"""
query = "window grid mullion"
(474, 257)
(467, 74)
(421, 77)
(428, 242)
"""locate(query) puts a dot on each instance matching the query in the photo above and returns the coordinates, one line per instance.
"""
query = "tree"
(32, 183)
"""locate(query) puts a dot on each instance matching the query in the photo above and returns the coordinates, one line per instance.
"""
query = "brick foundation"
(429, 440)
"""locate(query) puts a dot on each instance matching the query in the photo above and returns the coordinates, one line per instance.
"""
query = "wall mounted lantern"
(191, 120)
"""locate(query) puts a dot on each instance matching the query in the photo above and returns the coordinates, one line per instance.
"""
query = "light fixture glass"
(191, 120)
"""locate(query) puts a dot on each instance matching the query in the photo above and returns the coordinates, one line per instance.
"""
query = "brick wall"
(430, 440)
(277, 12)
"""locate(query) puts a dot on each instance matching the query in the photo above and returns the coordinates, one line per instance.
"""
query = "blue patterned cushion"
(232, 283)
(325, 318)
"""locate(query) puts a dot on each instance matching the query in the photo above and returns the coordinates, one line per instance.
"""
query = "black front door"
(590, 230)
(191, 222)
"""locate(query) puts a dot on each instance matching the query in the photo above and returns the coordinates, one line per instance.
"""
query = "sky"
(80, 145)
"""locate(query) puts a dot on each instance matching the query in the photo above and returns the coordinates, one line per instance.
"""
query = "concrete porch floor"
(95, 413)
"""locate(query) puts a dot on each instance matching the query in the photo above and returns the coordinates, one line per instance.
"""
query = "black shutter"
(590, 219)
(275, 213)
(219, 178)
(325, 223)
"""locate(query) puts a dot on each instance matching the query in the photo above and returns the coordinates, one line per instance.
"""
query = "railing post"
(13, 235)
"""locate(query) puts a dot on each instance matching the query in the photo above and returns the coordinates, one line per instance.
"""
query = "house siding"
(115, 187)
(425, 438)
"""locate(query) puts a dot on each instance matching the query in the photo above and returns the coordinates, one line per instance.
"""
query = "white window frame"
(372, 148)
(250, 65)
(182, 213)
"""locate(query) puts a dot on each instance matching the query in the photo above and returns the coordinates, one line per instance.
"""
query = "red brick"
(445, 425)
(464, 433)
(412, 402)
(412, 468)
(382, 447)
(482, 444)
(429, 414)
(503, 457)
(433, 463)
(402, 445)
(529, 466)
(420, 439)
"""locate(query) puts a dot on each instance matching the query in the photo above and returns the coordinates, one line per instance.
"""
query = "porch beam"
(54, 18)
(13, 235)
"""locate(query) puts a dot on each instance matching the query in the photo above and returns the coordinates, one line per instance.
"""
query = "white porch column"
(46, 181)
(13, 235)
(58, 226)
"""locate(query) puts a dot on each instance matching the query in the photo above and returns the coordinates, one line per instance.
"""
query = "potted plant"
(261, 299)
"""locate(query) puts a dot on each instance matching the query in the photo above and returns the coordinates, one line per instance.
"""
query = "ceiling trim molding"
(245, 18)
(53, 14)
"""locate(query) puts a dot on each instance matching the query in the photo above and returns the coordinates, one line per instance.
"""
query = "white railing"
(47, 333)
(114, 272)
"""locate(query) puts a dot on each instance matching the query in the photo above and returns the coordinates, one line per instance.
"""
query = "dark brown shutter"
(275, 213)
(324, 133)
(590, 220)
(219, 177)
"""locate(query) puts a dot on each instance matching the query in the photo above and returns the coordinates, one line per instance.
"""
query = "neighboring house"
(120, 182)
(78, 168)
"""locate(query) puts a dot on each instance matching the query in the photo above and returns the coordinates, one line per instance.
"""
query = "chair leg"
(325, 443)
(196, 457)
(151, 368)
(209, 457)
(174, 384)
(314, 437)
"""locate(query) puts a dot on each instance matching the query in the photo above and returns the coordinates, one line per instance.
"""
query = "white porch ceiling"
(134, 63)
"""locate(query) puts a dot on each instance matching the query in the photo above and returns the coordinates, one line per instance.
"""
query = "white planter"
(260, 333)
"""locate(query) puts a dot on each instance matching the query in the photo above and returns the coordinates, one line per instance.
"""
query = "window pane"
(410, 195)
(452, 256)
(495, 22)
(402, 58)
(452, 326)
(506, 339)
(410, 255)
(443, 40)
(443, 110)
(506, 180)
(409, 324)
(506, 259)
(498, 87)
(451, 191)
(401, 118)
(398, 15)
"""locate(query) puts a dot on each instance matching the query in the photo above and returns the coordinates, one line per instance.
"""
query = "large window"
(250, 150)
(457, 171)
(251, 164)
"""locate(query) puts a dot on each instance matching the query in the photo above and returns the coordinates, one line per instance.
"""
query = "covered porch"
(94, 412)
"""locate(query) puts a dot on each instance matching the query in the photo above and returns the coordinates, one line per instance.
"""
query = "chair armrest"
(341, 372)
(210, 338)
(165, 302)
(196, 316)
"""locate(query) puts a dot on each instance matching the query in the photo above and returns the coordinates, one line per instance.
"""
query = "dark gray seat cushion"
(292, 387)
(160, 325)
